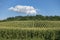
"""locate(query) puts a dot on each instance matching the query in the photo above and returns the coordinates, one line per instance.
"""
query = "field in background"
(30, 24)
(30, 30)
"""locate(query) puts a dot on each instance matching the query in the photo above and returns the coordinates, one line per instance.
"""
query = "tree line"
(37, 17)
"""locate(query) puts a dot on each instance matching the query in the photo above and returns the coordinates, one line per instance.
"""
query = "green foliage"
(37, 17)
(30, 34)
(30, 24)
(30, 30)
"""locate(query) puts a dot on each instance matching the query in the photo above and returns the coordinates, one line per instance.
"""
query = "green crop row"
(29, 34)
(30, 24)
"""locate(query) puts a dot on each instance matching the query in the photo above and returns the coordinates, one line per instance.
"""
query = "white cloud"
(24, 9)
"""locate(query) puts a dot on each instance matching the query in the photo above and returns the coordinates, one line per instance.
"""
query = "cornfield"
(30, 30)
(30, 24)
(29, 34)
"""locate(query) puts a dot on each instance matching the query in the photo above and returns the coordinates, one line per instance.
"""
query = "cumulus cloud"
(24, 9)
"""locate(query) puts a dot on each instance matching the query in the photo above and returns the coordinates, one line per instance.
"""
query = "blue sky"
(45, 7)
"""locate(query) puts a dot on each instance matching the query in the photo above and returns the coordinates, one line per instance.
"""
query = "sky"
(11, 8)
